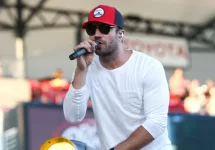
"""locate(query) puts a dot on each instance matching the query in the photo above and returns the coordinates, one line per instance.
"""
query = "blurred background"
(37, 37)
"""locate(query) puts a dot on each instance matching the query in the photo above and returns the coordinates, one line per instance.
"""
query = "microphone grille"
(96, 43)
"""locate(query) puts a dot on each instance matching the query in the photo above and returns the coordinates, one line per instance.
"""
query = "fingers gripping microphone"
(81, 52)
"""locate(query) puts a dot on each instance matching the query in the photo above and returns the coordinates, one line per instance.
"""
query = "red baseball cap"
(105, 14)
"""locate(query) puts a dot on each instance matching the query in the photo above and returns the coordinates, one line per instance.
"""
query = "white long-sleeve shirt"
(123, 99)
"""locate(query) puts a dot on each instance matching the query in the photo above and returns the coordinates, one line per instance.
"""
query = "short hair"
(117, 29)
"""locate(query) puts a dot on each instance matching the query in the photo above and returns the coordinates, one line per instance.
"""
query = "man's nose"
(97, 33)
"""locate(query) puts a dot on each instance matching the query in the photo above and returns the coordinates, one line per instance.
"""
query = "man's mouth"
(100, 42)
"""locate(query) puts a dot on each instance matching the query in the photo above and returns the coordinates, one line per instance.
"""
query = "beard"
(107, 49)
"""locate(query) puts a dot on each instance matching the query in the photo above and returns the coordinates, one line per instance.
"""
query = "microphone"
(81, 52)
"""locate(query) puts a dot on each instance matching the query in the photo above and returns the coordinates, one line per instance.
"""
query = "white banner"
(171, 52)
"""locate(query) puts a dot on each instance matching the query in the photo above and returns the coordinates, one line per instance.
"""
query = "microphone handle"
(81, 52)
(77, 53)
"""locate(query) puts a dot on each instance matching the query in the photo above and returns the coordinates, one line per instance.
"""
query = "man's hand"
(137, 140)
(84, 61)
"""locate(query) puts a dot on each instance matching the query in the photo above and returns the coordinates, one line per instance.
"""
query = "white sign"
(171, 52)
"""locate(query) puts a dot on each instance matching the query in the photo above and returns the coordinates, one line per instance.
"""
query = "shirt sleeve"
(75, 103)
(156, 100)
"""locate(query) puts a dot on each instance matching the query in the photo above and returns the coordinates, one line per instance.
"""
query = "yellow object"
(58, 143)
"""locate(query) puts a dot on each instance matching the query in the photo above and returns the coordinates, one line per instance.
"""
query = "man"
(128, 89)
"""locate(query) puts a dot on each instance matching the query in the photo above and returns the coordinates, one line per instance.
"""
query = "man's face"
(106, 36)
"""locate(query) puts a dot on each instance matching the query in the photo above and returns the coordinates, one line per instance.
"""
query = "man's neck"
(115, 61)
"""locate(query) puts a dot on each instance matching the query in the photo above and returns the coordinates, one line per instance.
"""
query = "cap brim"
(84, 25)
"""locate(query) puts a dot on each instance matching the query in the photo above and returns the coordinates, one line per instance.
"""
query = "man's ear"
(121, 33)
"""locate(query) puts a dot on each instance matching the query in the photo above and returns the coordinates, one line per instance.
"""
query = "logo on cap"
(99, 12)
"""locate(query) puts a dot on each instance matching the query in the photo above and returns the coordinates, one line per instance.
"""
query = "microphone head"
(96, 44)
